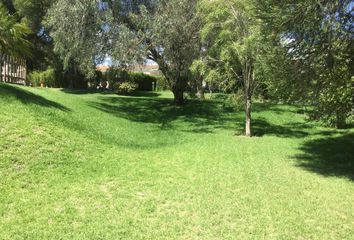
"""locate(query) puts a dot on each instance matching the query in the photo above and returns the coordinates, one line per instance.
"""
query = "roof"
(146, 68)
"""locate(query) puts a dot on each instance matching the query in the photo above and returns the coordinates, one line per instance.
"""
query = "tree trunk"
(340, 121)
(73, 77)
(71, 83)
(178, 96)
(248, 77)
(201, 95)
(0, 67)
(200, 90)
(248, 117)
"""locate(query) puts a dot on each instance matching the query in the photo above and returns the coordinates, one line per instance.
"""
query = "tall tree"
(233, 35)
(317, 38)
(33, 11)
(167, 32)
(77, 28)
(13, 34)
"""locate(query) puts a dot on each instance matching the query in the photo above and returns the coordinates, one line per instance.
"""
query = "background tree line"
(299, 52)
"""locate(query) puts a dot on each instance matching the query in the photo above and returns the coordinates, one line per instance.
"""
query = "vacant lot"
(83, 165)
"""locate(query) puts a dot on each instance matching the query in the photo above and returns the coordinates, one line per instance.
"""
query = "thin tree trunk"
(0, 67)
(248, 117)
(248, 81)
(73, 76)
(6, 69)
(200, 89)
(340, 121)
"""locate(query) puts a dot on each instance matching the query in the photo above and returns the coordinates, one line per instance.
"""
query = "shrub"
(221, 97)
(234, 101)
(47, 78)
(145, 82)
(126, 87)
(161, 83)
(35, 78)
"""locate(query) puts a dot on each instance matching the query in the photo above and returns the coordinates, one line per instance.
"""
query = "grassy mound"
(86, 165)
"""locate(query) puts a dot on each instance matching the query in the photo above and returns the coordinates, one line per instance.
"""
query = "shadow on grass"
(203, 116)
(108, 92)
(7, 91)
(199, 117)
(144, 94)
(261, 127)
(333, 156)
(85, 91)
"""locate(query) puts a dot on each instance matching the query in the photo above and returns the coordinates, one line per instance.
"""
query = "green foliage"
(35, 78)
(235, 101)
(80, 27)
(232, 32)
(145, 82)
(316, 38)
(43, 78)
(34, 11)
(162, 83)
(125, 87)
(129, 32)
(13, 35)
(172, 33)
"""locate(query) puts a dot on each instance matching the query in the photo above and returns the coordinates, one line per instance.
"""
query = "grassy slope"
(99, 166)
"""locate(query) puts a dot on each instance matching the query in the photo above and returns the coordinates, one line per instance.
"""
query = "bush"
(218, 97)
(145, 82)
(125, 87)
(35, 78)
(45, 78)
(161, 83)
(116, 77)
(234, 101)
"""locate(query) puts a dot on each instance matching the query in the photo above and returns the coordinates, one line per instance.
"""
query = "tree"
(78, 32)
(317, 38)
(32, 12)
(233, 34)
(167, 32)
(13, 35)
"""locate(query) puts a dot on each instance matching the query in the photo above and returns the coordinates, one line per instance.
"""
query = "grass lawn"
(85, 165)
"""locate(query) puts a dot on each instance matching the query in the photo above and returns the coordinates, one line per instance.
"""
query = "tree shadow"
(85, 91)
(143, 94)
(261, 127)
(273, 107)
(203, 116)
(333, 156)
(199, 116)
(108, 92)
(7, 91)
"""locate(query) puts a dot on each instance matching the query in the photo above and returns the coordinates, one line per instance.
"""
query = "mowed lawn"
(85, 165)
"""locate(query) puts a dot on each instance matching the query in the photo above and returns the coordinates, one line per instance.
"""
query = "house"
(149, 69)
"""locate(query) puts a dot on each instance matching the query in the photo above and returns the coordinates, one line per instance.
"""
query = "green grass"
(86, 165)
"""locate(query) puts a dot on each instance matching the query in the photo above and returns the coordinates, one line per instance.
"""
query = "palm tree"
(13, 35)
